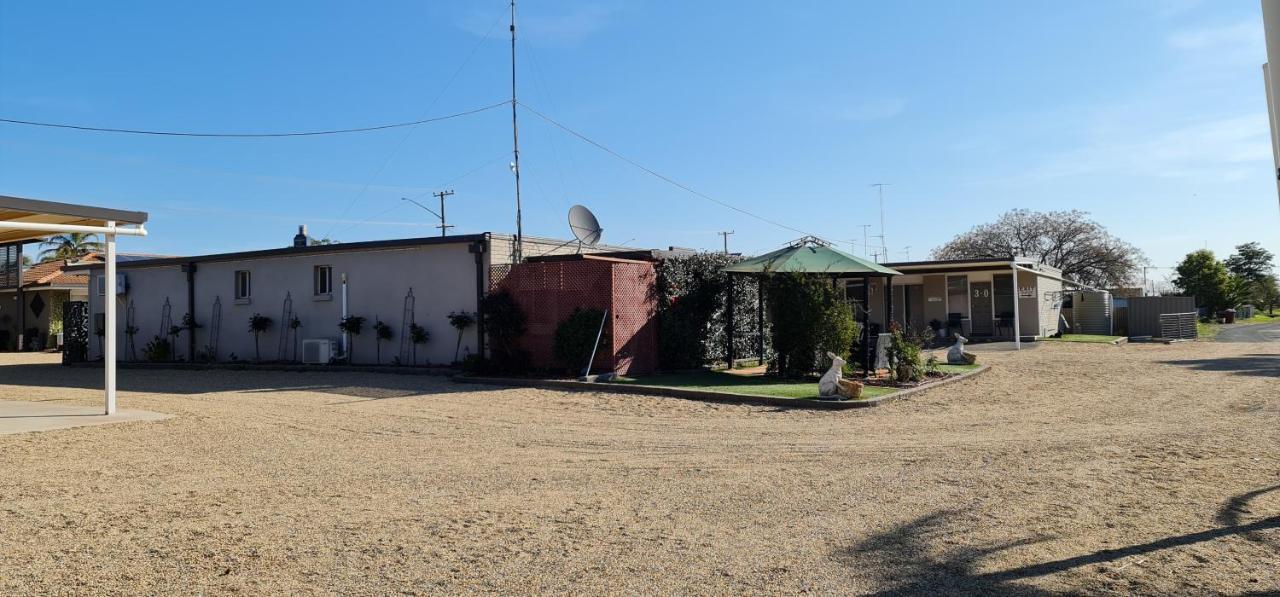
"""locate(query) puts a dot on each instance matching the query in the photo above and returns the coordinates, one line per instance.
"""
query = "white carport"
(25, 220)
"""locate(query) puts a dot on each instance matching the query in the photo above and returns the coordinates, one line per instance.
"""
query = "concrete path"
(1257, 332)
(19, 416)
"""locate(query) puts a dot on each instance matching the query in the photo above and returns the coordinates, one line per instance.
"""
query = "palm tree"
(70, 245)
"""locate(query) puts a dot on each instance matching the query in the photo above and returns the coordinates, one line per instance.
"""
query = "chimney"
(300, 239)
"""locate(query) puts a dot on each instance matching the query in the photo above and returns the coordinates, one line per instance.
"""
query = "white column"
(109, 326)
(1017, 317)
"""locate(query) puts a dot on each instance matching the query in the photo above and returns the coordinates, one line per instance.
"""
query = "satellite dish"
(584, 225)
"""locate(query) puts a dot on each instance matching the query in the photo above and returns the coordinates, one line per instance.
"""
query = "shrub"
(351, 325)
(382, 332)
(808, 319)
(418, 335)
(905, 361)
(257, 325)
(504, 324)
(575, 338)
(158, 350)
(689, 292)
(460, 320)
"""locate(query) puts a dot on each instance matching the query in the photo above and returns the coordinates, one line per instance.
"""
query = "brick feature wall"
(549, 291)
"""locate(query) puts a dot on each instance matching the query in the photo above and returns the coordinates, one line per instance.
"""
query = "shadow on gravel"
(1259, 365)
(906, 553)
(365, 385)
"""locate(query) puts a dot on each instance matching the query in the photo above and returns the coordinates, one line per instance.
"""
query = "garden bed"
(1089, 339)
(720, 386)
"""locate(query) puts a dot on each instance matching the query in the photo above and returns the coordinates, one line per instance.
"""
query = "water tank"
(1092, 312)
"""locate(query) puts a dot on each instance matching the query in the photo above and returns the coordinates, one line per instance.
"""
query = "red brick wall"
(548, 292)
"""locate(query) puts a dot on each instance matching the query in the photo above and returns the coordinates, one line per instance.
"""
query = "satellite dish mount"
(584, 226)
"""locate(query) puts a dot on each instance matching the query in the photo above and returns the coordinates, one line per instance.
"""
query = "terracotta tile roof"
(50, 273)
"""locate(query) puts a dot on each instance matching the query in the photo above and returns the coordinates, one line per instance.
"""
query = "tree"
(257, 325)
(315, 242)
(1067, 240)
(71, 245)
(1269, 294)
(1252, 264)
(1201, 275)
(351, 325)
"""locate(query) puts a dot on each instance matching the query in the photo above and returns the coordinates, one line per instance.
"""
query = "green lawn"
(957, 368)
(1087, 338)
(1209, 330)
(719, 381)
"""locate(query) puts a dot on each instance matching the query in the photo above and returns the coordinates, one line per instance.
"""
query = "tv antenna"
(444, 227)
(865, 251)
(880, 190)
(584, 226)
(907, 251)
(518, 254)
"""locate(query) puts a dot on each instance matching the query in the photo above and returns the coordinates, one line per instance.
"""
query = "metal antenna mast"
(880, 187)
(726, 234)
(865, 251)
(517, 254)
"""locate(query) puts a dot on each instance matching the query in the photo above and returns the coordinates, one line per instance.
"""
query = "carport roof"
(18, 210)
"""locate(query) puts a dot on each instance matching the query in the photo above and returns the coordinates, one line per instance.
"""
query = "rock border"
(712, 396)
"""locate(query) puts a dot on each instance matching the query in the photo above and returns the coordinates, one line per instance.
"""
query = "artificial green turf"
(956, 369)
(717, 381)
(1087, 338)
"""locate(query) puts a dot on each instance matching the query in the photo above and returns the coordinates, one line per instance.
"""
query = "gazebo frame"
(26, 220)
(834, 264)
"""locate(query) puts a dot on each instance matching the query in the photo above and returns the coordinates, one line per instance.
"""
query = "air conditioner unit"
(318, 351)
(122, 284)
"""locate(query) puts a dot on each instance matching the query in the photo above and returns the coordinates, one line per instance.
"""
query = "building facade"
(311, 284)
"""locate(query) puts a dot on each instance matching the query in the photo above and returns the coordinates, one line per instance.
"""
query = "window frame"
(248, 285)
(316, 280)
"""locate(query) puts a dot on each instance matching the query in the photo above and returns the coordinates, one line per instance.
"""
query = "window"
(1003, 289)
(323, 280)
(243, 290)
(958, 296)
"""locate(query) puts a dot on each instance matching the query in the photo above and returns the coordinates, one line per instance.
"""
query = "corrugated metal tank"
(1092, 312)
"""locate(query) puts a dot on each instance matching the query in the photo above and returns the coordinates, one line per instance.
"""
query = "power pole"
(726, 234)
(441, 195)
(518, 253)
(880, 188)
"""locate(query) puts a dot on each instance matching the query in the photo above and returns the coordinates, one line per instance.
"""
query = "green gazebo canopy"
(810, 256)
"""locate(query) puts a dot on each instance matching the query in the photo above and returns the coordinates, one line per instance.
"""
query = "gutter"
(1058, 278)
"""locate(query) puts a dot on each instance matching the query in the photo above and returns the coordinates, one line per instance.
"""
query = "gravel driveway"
(1074, 468)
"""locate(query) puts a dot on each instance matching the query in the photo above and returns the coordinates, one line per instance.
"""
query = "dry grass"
(1147, 468)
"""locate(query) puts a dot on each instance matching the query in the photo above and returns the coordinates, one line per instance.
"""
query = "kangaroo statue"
(832, 384)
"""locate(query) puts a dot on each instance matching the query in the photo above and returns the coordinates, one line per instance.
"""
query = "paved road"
(1258, 332)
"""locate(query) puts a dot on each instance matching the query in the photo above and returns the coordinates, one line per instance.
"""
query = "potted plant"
(460, 320)
(294, 324)
(351, 326)
(257, 325)
(381, 331)
(936, 326)
(417, 335)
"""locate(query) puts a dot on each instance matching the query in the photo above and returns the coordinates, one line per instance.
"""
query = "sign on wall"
(1027, 292)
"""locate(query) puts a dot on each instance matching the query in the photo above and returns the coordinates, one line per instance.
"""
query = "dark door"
(980, 309)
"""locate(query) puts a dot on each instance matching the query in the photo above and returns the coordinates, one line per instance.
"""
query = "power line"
(99, 129)
(659, 176)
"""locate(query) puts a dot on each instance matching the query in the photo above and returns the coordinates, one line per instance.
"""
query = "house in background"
(37, 303)
(317, 285)
(971, 297)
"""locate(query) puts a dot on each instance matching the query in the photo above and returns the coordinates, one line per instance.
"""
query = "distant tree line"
(1247, 276)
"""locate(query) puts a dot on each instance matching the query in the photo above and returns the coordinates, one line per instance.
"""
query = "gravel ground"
(1071, 468)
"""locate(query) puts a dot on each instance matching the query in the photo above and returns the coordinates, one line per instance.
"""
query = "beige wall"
(442, 277)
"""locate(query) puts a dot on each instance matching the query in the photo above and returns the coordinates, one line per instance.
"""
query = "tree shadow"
(1257, 365)
(913, 566)
(366, 385)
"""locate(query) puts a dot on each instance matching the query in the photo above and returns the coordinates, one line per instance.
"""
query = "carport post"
(109, 300)
(1017, 318)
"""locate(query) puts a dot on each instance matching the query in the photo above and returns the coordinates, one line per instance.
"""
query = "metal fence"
(1178, 326)
(1144, 313)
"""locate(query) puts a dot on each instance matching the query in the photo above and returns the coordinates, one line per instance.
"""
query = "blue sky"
(1149, 115)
